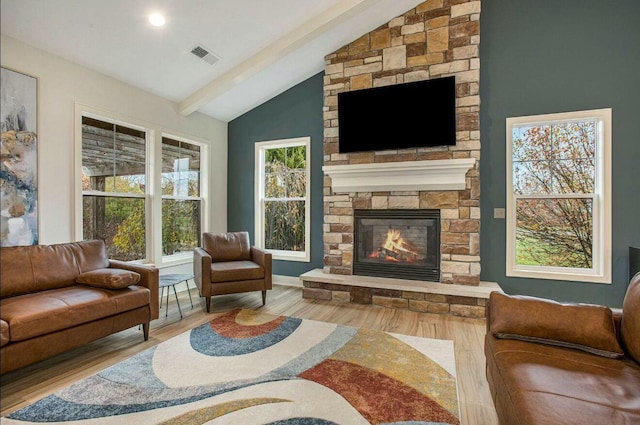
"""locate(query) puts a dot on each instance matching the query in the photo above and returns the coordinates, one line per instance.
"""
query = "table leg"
(166, 310)
(177, 302)
(186, 282)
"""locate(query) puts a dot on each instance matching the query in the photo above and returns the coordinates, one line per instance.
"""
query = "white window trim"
(601, 270)
(304, 256)
(153, 203)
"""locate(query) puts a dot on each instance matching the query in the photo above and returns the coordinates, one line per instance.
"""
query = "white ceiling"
(265, 46)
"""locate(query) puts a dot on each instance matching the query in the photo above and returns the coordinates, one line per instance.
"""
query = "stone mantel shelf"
(430, 175)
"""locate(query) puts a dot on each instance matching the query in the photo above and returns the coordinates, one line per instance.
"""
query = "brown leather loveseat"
(550, 363)
(57, 297)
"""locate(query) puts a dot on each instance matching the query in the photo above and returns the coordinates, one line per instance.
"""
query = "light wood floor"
(34, 382)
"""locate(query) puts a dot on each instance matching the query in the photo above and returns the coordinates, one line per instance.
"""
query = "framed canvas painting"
(19, 159)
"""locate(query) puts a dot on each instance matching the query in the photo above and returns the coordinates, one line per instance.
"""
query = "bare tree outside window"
(554, 176)
(558, 200)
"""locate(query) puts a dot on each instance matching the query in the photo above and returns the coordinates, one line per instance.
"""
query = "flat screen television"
(409, 115)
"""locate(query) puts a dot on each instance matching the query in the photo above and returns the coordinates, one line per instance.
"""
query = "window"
(181, 202)
(114, 177)
(282, 198)
(559, 196)
(142, 190)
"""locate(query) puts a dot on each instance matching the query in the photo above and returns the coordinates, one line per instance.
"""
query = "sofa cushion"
(590, 327)
(232, 246)
(236, 270)
(109, 278)
(630, 327)
(90, 255)
(54, 266)
(544, 384)
(17, 273)
(44, 312)
(29, 269)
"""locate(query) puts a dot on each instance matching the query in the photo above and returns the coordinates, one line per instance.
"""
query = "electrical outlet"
(498, 213)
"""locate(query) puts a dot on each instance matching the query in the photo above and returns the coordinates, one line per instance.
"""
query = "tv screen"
(410, 115)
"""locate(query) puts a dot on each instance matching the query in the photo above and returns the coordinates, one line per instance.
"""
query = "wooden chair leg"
(264, 297)
(145, 330)
(207, 301)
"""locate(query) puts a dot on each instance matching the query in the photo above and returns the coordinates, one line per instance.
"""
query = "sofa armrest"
(202, 271)
(149, 278)
(487, 310)
(4, 333)
(263, 258)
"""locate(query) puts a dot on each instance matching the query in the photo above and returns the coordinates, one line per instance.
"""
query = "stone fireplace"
(411, 186)
(437, 38)
(397, 243)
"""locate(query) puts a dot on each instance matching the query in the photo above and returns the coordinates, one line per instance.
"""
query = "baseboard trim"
(287, 280)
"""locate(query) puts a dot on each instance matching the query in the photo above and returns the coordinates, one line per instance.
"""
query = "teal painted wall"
(536, 57)
(294, 113)
(548, 56)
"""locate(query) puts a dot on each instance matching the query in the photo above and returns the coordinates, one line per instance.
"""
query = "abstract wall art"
(19, 159)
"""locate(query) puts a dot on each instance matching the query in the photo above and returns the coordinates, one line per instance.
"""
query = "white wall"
(62, 85)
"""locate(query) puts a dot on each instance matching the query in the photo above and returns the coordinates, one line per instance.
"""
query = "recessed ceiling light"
(156, 19)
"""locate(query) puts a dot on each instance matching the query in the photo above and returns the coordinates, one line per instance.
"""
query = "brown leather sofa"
(57, 297)
(228, 264)
(550, 363)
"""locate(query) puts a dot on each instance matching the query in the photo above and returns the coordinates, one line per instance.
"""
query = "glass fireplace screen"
(397, 243)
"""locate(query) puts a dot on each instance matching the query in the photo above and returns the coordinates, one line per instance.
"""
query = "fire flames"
(396, 249)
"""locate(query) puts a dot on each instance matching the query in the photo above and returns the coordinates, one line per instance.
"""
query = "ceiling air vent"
(204, 54)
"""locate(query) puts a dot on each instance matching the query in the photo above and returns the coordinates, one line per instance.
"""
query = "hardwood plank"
(24, 386)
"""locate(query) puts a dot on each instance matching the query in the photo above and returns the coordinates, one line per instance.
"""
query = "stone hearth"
(426, 297)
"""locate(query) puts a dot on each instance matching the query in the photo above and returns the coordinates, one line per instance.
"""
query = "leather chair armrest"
(202, 271)
(149, 278)
(259, 255)
(263, 258)
(488, 316)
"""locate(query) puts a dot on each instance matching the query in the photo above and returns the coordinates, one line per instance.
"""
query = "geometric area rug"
(246, 367)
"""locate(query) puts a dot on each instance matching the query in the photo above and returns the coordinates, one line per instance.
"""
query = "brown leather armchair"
(228, 264)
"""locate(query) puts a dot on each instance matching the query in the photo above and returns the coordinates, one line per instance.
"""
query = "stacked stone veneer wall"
(438, 38)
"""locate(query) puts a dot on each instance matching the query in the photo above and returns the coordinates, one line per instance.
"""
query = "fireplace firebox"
(403, 244)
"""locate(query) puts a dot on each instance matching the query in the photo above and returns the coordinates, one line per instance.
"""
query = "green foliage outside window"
(114, 181)
(117, 221)
(284, 205)
(180, 225)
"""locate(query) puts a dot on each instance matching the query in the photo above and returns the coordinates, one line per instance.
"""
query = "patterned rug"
(246, 367)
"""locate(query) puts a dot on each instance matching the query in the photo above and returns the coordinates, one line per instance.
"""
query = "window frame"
(259, 201)
(106, 194)
(183, 255)
(600, 272)
(153, 191)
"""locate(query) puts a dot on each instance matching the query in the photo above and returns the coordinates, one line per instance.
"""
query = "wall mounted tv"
(410, 115)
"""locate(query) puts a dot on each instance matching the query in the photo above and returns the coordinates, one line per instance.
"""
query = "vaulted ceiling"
(263, 47)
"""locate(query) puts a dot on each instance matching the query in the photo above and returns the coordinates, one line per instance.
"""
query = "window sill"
(176, 259)
(548, 273)
(289, 256)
